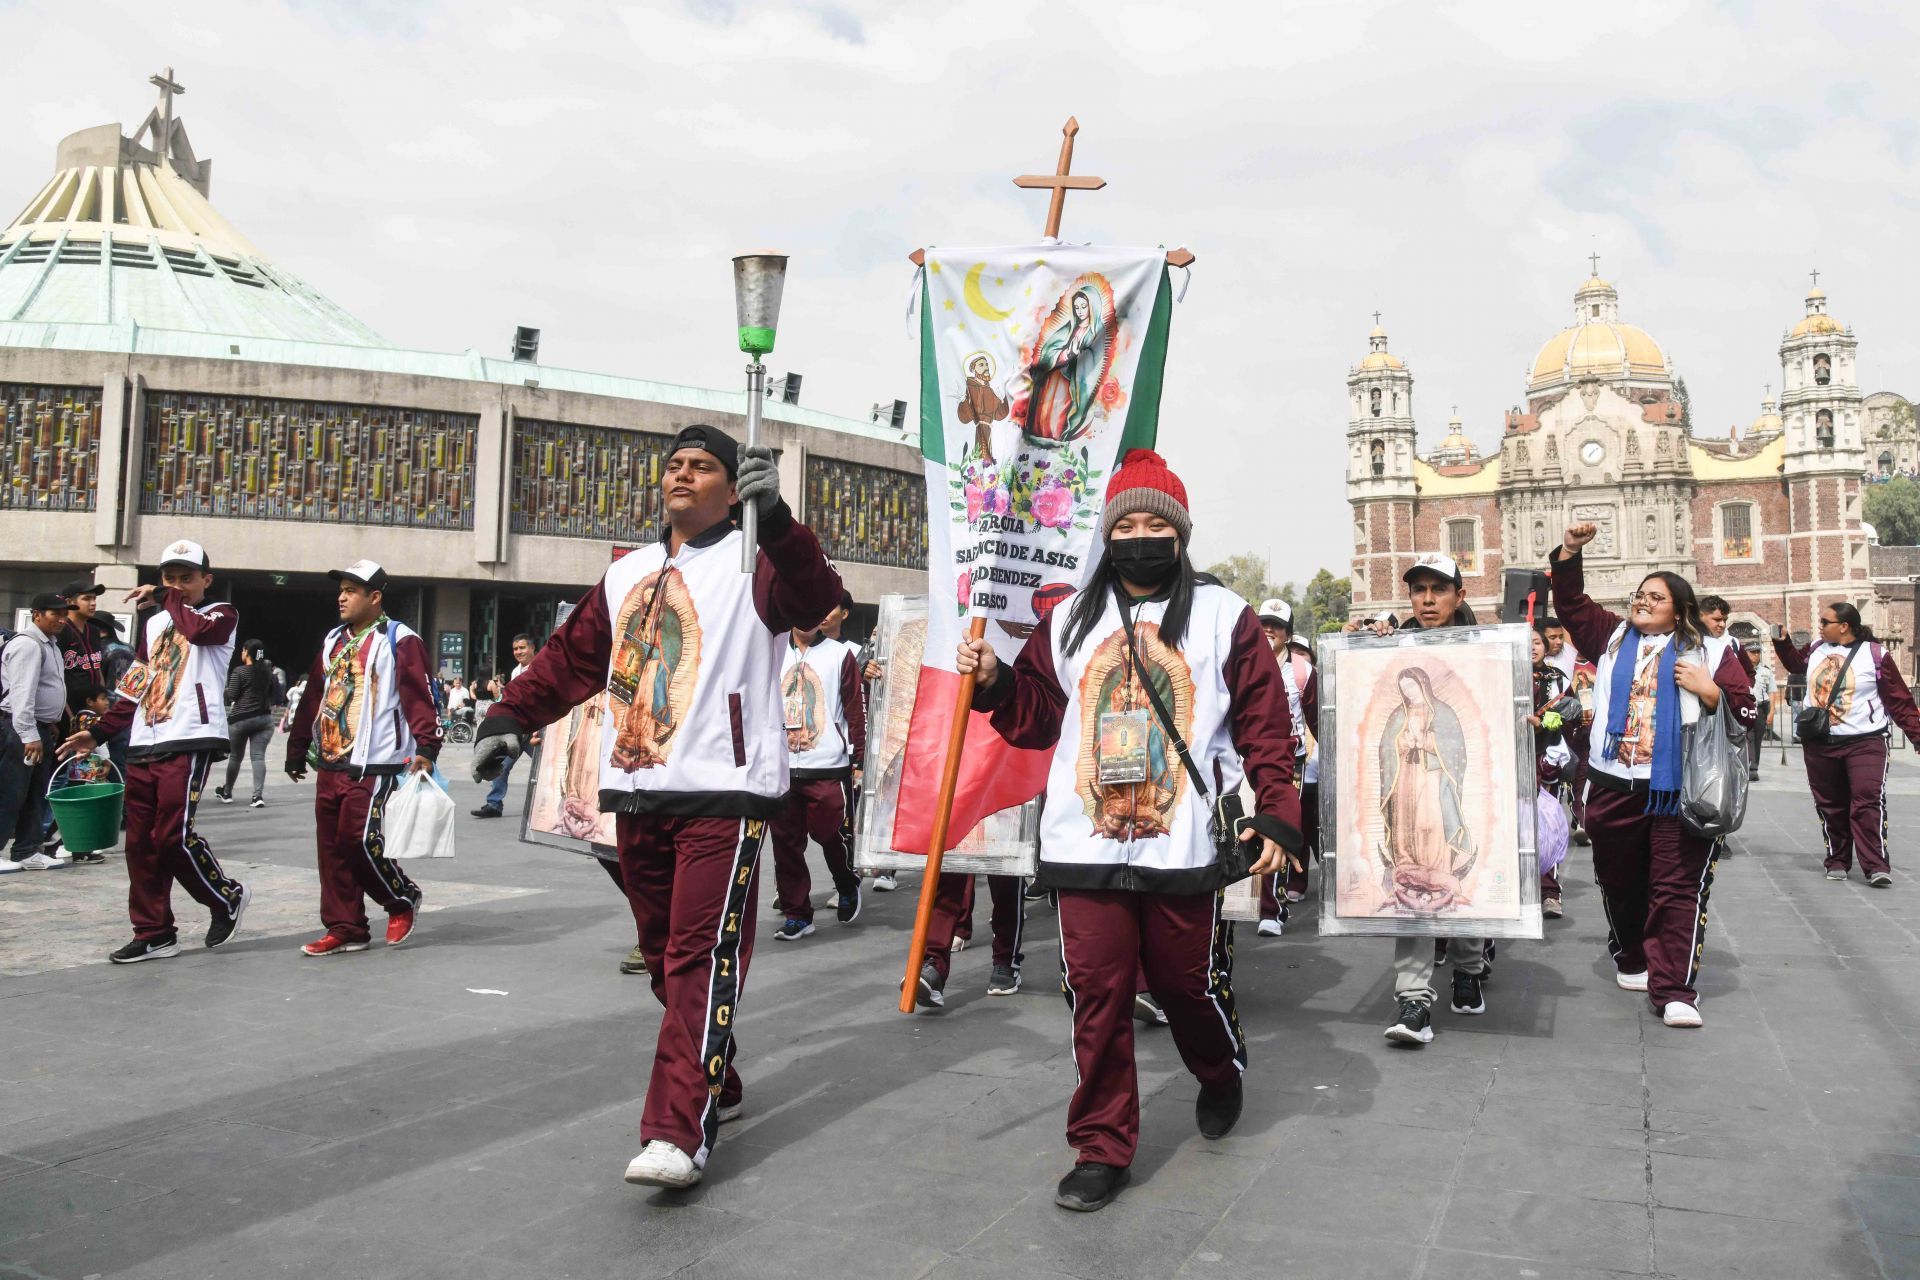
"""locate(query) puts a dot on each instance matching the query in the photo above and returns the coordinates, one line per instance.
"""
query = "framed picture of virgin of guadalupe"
(1427, 787)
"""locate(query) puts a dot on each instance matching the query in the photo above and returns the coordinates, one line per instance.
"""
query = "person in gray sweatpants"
(249, 720)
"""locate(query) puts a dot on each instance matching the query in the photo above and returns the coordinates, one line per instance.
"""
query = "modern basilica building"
(161, 377)
(1768, 518)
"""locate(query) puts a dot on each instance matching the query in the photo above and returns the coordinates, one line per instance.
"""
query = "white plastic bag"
(419, 820)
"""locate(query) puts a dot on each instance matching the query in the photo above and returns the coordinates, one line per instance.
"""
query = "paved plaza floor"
(464, 1106)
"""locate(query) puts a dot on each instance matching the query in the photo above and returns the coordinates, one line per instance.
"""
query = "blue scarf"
(1663, 791)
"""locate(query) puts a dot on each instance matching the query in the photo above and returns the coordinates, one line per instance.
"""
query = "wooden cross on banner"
(1059, 182)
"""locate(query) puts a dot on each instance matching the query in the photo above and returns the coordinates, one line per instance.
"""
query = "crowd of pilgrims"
(721, 762)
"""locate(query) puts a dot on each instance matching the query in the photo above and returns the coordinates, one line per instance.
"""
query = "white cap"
(367, 573)
(1278, 610)
(185, 552)
(1437, 563)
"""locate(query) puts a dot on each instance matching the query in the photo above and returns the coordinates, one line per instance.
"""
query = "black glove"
(758, 482)
(499, 743)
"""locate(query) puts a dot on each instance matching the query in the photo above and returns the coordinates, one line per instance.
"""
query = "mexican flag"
(1040, 366)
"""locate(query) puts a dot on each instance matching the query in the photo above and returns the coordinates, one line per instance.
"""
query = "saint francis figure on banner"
(1067, 369)
(981, 405)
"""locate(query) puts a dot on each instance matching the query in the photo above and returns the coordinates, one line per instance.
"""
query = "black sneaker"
(223, 927)
(793, 930)
(1032, 892)
(1414, 1026)
(1581, 838)
(90, 856)
(1216, 1113)
(258, 802)
(933, 988)
(1146, 1009)
(1466, 993)
(846, 909)
(223, 795)
(1090, 1186)
(139, 949)
(1003, 981)
(486, 811)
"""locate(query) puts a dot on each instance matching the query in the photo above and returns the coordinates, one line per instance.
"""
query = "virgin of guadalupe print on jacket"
(1833, 670)
(655, 665)
(1428, 809)
(1117, 714)
(349, 692)
(166, 665)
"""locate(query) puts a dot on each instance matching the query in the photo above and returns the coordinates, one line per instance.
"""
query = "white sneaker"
(1632, 981)
(41, 862)
(1680, 1014)
(726, 1114)
(885, 883)
(62, 854)
(960, 944)
(1294, 895)
(8, 864)
(661, 1164)
(1271, 928)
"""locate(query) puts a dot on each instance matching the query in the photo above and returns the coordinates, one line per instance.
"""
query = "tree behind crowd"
(1320, 606)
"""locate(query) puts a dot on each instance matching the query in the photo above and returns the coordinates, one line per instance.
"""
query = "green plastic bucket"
(88, 814)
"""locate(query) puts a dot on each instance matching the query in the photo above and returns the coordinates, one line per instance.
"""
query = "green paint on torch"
(756, 341)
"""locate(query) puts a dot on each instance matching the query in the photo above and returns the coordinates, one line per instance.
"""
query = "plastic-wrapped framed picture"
(1427, 789)
(1004, 844)
(563, 786)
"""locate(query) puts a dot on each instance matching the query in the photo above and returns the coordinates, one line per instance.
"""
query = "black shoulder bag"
(1813, 723)
(1233, 856)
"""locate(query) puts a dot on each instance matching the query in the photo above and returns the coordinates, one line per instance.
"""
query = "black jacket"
(250, 690)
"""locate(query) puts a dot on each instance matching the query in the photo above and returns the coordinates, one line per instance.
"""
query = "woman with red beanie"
(1157, 693)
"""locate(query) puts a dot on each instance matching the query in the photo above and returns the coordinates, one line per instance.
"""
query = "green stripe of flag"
(1143, 403)
(933, 432)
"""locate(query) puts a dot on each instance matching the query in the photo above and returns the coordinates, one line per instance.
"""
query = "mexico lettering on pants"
(817, 808)
(693, 885)
(1186, 950)
(349, 830)
(162, 847)
(1655, 877)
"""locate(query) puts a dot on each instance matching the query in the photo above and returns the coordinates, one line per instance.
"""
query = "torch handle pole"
(942, 816)
(750, 514)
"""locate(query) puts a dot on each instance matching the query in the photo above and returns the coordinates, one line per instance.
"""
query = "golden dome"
(1769, 419)
(1599, 349)
(1816, 320)
(1381, 360)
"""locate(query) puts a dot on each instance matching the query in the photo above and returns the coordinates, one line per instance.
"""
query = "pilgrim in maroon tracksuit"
(826, 722)
(1854, 678)
(1301, 681)
(367, 716)
(1125, 836)
(1654, 874)
(693, 757)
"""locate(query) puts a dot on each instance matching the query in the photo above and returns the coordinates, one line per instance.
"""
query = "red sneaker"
(332, 944)
(399, 927)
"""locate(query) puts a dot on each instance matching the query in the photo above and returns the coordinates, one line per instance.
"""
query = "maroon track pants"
(692, 883)
(612, 868)
(1654, 878)
(820, 808)
(953, 906)
(1848, 777)
(1271, 906)
(349, 816)
(1106, 938)
(163, 847)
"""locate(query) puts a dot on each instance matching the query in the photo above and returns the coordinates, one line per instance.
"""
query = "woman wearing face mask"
(1857, 683)
(1652, 680)
(1125, 833)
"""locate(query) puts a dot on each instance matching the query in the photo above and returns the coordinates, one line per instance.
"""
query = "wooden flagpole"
(1059, 182)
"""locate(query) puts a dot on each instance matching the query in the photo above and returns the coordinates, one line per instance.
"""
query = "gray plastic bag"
(1713, 782)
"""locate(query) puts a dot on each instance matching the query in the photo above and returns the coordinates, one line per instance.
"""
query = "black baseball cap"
(711, 440)
(81, 587)
(49, 602)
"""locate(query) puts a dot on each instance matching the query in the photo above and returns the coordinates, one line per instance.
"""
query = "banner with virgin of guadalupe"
(1039, 367)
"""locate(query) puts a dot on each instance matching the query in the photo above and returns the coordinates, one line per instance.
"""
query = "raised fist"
(1579, 535)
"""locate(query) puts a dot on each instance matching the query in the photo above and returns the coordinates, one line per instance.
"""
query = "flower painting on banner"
(1040, 366)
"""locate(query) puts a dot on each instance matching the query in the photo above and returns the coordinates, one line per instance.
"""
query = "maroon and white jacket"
(1862, 696)
(172, 697)
(826, 716)
(1223, 689)
(370, 711)
(688, 649)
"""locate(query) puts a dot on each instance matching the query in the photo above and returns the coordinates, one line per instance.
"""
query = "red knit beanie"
(1144, 484)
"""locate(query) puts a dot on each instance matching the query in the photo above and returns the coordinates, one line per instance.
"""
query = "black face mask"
(1147, 562)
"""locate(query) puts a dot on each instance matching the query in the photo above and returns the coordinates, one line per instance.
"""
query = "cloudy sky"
(449, 171)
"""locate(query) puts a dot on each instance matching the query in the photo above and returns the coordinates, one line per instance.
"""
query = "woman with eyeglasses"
(1653, 678)
(1856, 691)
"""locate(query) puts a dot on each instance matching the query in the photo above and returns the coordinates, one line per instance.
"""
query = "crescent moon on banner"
(976, 300)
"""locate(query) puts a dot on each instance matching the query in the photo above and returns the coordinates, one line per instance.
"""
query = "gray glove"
(759, 479)
(495, 754)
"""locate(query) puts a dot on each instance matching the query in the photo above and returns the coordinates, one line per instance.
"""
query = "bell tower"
(1380, 484)
(1823, 418)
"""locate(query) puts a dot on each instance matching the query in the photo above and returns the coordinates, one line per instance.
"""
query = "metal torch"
(758, 279)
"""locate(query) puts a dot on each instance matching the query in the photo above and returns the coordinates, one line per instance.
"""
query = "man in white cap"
(1302, 683)
(169, 702)
(367, 717)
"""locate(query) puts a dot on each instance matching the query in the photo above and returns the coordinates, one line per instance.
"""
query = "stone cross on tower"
(1594, 258)
(1816, 278)
(168, 86)
(1376, 319)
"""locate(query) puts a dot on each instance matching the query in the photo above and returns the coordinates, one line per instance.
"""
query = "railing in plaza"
(266, 459)
(867, 514)
(49, 447)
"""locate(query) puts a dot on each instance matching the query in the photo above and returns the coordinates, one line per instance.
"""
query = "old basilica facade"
(1768, 518)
